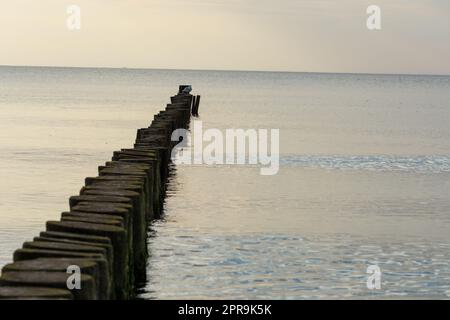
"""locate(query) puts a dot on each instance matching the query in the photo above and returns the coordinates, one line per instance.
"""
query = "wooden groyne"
(104, 233)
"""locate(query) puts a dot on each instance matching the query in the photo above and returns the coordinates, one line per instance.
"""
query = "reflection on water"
(271, 266)
(228, 234)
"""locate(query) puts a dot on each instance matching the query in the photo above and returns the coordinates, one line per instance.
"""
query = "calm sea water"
(364, 178)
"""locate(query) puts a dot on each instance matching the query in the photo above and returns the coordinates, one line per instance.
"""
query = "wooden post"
(196, 106)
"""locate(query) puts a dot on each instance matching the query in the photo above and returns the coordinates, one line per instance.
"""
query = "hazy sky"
(287, 35)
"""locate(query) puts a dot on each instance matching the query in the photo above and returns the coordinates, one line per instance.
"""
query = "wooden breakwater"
(104, 233)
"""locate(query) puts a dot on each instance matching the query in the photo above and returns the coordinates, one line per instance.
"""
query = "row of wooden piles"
(105, 232)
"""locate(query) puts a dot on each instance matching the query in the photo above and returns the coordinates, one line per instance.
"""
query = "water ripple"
(293, 268)
(430, 164)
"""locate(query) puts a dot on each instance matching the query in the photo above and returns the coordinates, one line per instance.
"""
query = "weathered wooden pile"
(104, 233)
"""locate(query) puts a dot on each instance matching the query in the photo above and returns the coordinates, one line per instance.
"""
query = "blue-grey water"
(364, 178)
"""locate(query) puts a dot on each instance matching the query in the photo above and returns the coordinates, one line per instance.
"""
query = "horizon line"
(230, 70)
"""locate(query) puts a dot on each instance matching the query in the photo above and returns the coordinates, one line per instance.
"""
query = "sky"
(275, 35)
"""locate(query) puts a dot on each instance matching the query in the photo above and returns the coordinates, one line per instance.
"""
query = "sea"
(363, 182)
